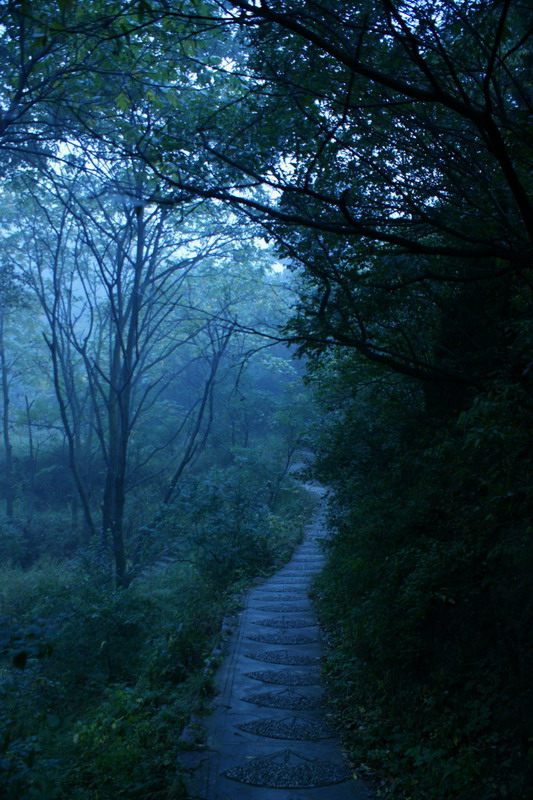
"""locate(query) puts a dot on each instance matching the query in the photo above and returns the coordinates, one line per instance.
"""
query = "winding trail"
(268, 738)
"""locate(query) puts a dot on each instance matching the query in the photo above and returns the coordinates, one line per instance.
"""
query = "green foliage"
(399, 174)
(12, 544)
(91, 691)
(51, 534)
(126, 746)
(97, 683)
(428, 591)
(234, 529)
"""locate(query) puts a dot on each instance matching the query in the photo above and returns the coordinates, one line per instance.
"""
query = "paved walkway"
(267, 738)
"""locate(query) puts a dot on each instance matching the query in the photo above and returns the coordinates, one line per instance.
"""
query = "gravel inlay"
(283, 608)
(309, 557)
(309, 567)
(289, 728)
(297, 569)
(289, 585)
(283, 657)
(279, 598)
(287, 698)
(287, 637)
(281, 622)
(288, 770)
(313, 555)
(302, 589)
(301, 573)
(285, 677)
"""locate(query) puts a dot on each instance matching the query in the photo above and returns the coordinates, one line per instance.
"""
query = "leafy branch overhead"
(383, 148)
(189, 186)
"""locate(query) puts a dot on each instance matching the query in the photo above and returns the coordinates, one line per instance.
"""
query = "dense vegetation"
(97, 683)
(98, 680)
(381, 151)
(430, 573)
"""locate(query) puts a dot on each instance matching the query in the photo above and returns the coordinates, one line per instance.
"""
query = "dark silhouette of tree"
(112, 276)
(384, 147)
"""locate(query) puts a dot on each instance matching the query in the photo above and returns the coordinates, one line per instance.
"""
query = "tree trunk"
(8, 447)
(58, 368)
(113, 523)
(30, 499)
(126, 336)
(114, 489)
(193, 442)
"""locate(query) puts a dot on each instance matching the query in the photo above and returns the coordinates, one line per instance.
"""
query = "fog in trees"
(231, 235)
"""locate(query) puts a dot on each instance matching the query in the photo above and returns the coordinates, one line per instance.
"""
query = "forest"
(232, 232)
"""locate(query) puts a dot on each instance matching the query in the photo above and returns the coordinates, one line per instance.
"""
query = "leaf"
(122, 102)
(20, 659)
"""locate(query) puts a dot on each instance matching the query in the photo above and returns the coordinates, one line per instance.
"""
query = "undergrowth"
(97, 683)
(427, 597)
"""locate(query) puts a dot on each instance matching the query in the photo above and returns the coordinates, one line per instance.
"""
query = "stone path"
(268, 738)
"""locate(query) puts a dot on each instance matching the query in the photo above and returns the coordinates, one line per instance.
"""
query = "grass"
(98, 683)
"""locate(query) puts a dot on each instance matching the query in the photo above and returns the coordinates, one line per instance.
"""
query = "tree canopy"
(189, 183)
(390, 149)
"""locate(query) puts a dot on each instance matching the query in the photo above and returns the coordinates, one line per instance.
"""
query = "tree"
(47, 47)
(392, 141)
(11, 299)
(57, 54)
(19, 382)
(134, 299)
(140, 63)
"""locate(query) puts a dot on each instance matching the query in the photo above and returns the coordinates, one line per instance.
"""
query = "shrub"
(98, 682)
(429, 586)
